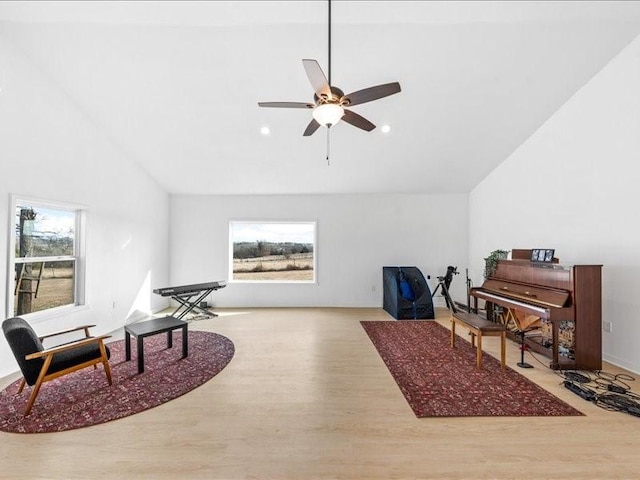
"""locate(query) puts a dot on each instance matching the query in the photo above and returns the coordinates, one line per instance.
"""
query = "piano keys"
(520, 306)
(568, 299)
(184, 295)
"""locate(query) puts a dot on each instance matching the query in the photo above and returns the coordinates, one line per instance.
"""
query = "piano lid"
(527, 293)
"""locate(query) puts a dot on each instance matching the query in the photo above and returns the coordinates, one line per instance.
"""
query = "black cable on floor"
(606, 390)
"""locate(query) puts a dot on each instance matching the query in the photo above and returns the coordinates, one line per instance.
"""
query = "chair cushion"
(75, 356)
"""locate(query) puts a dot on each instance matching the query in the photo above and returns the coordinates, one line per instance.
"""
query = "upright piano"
(567, 299)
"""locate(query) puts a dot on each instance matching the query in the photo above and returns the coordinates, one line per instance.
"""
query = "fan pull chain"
(328, 144)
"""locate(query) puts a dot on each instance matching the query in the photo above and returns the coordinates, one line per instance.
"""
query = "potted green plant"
(491, 262)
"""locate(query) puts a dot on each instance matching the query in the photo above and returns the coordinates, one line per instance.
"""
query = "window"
(280, 252)
(46, 267)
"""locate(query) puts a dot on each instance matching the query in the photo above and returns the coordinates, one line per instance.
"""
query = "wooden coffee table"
(153, 327)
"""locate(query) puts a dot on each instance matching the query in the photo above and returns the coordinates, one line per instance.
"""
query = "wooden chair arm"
(66, 346)
(82, 327)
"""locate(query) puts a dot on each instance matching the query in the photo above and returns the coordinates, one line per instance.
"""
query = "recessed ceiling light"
(265, 131)
(385, 128)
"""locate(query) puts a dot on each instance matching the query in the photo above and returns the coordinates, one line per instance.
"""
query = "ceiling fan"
(329, 102)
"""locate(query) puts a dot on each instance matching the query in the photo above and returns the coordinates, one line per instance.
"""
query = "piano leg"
(555, 362)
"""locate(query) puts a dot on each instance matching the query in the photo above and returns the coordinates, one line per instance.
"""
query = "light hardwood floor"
(306, 396)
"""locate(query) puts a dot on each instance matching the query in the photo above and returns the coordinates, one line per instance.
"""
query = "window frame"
(78, 257)
(313, 223)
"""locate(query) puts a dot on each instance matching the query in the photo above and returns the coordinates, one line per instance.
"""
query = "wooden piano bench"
(478, 326)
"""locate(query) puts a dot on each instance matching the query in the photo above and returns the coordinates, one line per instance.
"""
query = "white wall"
(573, 186)
(357, 236)
(50, 150)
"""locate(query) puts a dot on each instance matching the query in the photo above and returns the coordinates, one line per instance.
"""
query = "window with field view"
(272, 251)
(45, 260)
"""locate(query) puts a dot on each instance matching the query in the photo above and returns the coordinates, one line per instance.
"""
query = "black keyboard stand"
(189, 305)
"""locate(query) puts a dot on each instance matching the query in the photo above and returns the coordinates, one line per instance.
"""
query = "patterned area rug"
(85, 398)
(440, 381)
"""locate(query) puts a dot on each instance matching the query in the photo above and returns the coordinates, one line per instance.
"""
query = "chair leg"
(38, 384)
(105, 362)
(453, 333)
(22, 384)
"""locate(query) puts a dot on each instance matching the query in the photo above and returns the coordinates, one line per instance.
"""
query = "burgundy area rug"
(440, 381)
(85, 398)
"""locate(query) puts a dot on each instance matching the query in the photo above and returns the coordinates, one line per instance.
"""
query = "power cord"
(607, 390)
(576, 377)
(627, 403)
(615, 383)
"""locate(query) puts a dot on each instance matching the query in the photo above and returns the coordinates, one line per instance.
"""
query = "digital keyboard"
(184, 295)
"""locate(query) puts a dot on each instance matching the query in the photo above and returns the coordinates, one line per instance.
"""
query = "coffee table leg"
(170, 339)
(185, 345)
(127, 346)
(140, 355)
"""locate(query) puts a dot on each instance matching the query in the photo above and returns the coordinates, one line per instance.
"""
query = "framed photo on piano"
(542, 255)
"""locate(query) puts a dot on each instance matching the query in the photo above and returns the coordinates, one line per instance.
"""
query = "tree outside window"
(45, 260)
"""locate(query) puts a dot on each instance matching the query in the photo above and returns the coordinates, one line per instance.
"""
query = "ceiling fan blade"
(286, 104)
(372, 93)
(357, 120)
(317, 78)
(311, 128)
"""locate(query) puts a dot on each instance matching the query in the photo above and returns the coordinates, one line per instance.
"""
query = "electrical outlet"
(607, 326)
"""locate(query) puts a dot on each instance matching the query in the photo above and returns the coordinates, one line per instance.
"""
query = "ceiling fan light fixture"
(328, 114)
(330, 104)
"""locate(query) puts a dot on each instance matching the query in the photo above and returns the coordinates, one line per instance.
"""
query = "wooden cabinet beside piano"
(567, 300)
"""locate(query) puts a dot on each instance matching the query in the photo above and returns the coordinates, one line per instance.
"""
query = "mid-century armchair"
(39, 365)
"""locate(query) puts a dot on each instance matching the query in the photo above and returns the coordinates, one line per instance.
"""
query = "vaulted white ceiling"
(175, 85)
